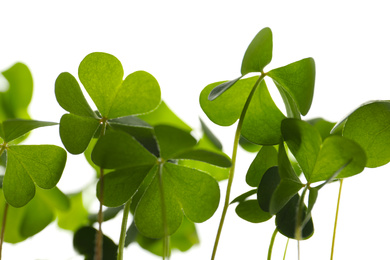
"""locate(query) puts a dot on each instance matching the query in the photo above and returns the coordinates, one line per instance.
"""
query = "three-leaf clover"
(115, 98)
(28, 166)
(165, 190)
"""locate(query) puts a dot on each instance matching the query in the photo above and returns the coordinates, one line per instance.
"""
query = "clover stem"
(99, 236)
(271, 244)
(298, 220)
(122, 237)
(335, 220)
(3, 227)
(232, 168)
(285, 250)
(164, 213)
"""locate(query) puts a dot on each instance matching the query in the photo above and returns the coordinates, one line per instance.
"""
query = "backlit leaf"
(221, 88)
(265, 159)
(267, 187)
(14, 128)
(251, 211)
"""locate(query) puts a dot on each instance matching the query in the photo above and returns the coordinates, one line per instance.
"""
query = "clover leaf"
(102, 77)
(28, 166)
(139, 172)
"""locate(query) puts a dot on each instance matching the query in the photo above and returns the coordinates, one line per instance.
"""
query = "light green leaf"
(70, 97)
(138, 94)
(250, 210)
(206, 156)
(369, 127)
(188, 191)
(102, 76)
(227, 108)
(216, 172)
(131, 121)
(297, 80)
(263, 119)
(259, 52)
(76, 216)
(282, 194)
(76, 132)
(243, 197)
(163, 115)
(265, 159)
(323, 126)
(304, 141)
(29, 164)
(117, 149)
(210, 136)
(248, 146)
(14, 128)
(173, 141)
(16, 99)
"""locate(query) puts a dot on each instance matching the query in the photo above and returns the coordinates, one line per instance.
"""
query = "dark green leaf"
(84, 243)
(70, 97)
(259, 52)
(14, 128)
(29, 164)
(173, 141)
(131, 121)
(282, 194)
(244, 196)
(286, 170)
(265, 159)
(369, 127)
(76, 132)
(207, 132)
(16, 99)
(249, 146)
(117, 150)
(291, 108)
(297, 80)
(221, 88)
(286, 220)
(250, 210)
(263, 119)
(188, 191)
(227, 108)
(304, 141)
(267, 187)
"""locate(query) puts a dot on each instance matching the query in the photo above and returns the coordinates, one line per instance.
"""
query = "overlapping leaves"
(102, 77)
(137, 171)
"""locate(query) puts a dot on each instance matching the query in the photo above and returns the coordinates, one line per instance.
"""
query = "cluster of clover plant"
(149, 164)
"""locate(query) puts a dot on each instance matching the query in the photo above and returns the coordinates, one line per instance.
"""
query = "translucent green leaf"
(131, 121)
(206, 156)
(265, 159)
(285, 190)
(163, 115)
(183, 239)
(248, 146)
(227, 108)
(286, 220)
(84, 243)
(221, 88)
(14, 128)
(139, 93)
(76, 216)
(15, 100)
(173, 141)
(29, 164)
(102, 76)
(216, 172)
(210, 135)
(263, 119)
(250, 210)
(76, 132)
(117, 150)
(267, 187)
(286, 170)
(188, 191)
(323, 126)
(244, 196)
(304, 141)
(335, 153)
(120, 185)
(259, 52)
(70, 97)
(289, 103)
(369, 127)
(297, 80)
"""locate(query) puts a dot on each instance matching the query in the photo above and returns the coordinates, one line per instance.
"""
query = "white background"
(189, 44)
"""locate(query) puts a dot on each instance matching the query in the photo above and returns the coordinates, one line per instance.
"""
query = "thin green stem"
(3, 227)
(298, 220)
(232, 168)
(271, 244)
(122, 237)
(335, 220)
(285, 250)
(164, 213)
(99, 235)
